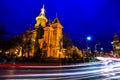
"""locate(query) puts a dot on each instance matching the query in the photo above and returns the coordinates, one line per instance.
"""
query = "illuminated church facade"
(116, 45)
(45, 39)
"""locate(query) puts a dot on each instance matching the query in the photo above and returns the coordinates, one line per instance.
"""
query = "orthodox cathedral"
(45, 39)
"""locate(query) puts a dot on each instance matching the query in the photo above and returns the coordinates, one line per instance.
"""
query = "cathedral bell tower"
(57, 37)
(41, 20)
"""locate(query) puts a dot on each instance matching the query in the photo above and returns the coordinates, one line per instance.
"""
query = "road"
(85, 71)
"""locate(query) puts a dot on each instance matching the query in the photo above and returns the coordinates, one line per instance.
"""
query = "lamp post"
(88, 39)
(95, 51)
(88, 51)
(96, 46)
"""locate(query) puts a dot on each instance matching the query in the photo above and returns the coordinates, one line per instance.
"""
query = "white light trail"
(64, 66)
(80, 71)
(104, 58)
(64, 74)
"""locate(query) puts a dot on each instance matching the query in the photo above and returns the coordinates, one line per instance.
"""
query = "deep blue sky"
(80, 18)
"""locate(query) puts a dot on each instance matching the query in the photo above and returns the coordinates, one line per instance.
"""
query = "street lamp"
(88, 39)
(101, 49)
(96, 46)
(112, 42)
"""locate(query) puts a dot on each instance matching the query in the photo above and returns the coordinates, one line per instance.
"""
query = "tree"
(67, 42)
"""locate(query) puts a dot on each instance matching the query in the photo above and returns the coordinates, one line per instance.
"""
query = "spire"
(42, 14)
(42, 11)
(56, 15)
(56, 20)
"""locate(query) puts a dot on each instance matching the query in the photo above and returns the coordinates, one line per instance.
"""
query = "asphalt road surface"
(86, 71)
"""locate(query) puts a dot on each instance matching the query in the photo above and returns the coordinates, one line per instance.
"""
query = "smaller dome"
(41, 17)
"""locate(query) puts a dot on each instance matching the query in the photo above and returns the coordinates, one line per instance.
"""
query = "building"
(116, 45)
(44, 41)
(46, 38)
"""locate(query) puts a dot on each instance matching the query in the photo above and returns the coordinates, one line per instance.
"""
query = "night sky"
(99, 19)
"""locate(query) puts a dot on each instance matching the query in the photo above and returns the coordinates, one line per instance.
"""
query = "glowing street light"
(89, 38)
(101, 49)
(112, 42)
(88, 48)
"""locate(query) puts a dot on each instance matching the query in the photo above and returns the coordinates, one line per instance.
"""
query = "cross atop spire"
(56, 15)
(42, 14)
(42, 11)
(56, 20)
